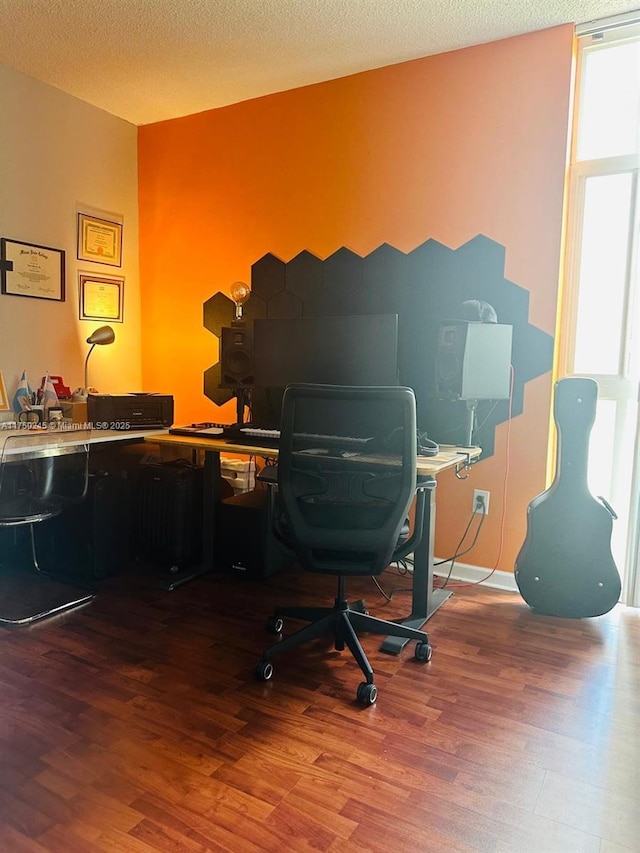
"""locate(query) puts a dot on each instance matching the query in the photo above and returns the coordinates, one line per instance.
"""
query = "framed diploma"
(99, 240)
(101, 297)
(4, 400)
(28, 269)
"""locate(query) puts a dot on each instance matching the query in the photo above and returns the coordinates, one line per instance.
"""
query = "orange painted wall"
(446, 147)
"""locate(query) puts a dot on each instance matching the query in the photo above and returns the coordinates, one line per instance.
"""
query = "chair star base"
(342, 622)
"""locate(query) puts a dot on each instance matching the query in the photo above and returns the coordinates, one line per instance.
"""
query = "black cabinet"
(246, 544)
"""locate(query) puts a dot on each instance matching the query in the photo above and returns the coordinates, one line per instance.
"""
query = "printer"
(130, 411)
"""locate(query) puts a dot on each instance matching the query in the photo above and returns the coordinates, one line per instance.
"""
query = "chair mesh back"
(346, 474)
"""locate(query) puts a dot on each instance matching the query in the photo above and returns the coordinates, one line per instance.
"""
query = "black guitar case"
(565, 566)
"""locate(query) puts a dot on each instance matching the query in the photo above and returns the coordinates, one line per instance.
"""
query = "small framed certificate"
(99, 240)
(28, 269)
(101, 297)
(4, 400)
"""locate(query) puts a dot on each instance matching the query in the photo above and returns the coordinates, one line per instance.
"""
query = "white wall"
(59, 154)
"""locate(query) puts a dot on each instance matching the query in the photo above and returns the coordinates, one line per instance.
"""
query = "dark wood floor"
(134, 724)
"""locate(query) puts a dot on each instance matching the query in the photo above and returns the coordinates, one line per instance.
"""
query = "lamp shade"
(103, 335)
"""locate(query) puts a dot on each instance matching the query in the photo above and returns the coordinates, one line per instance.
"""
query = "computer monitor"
(351, 350)
(358, 349)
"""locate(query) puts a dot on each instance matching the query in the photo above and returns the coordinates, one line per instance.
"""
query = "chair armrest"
(424, 484)
(269, 476)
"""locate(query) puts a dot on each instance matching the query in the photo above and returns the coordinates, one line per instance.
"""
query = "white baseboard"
(474, 574)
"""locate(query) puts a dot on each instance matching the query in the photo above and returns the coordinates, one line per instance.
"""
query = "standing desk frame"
(425, 600)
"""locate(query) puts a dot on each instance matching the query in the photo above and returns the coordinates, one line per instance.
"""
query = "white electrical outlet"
(481, 501)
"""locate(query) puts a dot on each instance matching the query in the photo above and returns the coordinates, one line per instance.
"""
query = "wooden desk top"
(428, 466)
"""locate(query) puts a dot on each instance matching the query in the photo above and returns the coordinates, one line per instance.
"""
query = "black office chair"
(341, 506)
(42, 471)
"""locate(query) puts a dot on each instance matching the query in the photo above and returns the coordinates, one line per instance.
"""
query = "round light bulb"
(240, 292)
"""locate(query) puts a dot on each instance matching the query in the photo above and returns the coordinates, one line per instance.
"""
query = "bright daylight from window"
(602, 312)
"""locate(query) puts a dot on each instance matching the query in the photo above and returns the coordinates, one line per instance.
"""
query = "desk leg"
(210, 495)
(425, 599)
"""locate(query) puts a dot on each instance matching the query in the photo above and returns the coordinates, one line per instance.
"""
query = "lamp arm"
(86, 365)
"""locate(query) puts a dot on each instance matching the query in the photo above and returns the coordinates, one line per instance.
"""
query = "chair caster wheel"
(275, 625)
(423, 652)
(367, 693)
(263, 670)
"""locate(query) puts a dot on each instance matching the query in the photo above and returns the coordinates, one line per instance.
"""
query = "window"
(600, 333)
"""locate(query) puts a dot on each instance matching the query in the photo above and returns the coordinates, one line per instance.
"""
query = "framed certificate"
(99, 240)
(4, 400)
(101, 297)
(28, 269)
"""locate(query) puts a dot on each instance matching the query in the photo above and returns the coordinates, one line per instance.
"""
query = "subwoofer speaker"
(473, 361)
(236, 356)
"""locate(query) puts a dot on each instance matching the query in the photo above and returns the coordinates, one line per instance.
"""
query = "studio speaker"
(236, 356)
(473, 360)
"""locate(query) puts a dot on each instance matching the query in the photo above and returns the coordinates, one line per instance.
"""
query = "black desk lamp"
(103, 335)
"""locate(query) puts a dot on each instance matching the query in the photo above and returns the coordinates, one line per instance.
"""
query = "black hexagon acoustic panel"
(423, 287)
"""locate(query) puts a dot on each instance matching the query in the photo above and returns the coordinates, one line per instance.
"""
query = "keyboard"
(259, 433)
(271, 437)
(205, 428)
(264, 437)
(252, 436)
(229, 432)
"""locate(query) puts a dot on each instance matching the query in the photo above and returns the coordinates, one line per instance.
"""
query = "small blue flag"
(49, 396)
(23, 397)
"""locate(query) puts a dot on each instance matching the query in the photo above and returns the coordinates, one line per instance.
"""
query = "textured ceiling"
(149, 60)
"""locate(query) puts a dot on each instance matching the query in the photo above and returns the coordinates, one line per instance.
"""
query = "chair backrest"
(45, 464)
(344, 500)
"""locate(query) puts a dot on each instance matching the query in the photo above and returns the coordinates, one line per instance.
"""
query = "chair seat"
(282, 530)
(26, 509)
